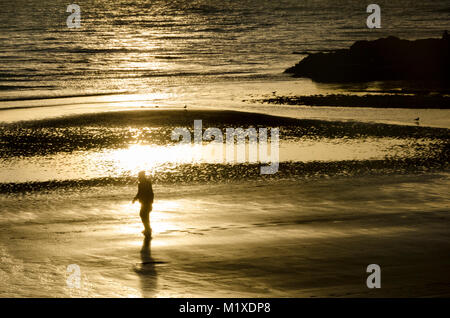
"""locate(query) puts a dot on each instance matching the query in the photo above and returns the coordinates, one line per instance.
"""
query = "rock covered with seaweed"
(388, 58)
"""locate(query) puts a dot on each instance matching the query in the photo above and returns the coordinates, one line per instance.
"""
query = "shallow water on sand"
(112, 163)
(221, 229)
(232, 96)
(243, 239)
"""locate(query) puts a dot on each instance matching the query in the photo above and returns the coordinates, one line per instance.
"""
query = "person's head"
(141, 176)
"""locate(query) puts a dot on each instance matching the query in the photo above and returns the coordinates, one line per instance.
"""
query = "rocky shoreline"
(416, 101)
(388, 58)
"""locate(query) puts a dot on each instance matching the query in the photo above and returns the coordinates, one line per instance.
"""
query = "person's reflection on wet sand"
(146, 270)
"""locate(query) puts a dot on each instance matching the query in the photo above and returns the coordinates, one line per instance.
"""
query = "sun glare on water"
(146, 157)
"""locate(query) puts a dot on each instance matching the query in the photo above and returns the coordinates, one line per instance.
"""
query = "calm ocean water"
(147, 46)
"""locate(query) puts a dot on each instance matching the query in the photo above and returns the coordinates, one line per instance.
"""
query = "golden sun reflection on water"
(142, 157)
(147, 157)
(155, 158)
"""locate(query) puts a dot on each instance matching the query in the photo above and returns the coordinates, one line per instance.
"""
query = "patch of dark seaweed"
(417, 101)
(217, 173)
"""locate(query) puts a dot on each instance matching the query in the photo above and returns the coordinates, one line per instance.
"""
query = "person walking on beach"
(145, 196)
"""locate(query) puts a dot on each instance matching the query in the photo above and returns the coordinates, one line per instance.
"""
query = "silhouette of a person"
(145, 196)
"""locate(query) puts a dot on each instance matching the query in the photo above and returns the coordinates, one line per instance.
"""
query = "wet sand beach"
(241, 240)
(221, 229)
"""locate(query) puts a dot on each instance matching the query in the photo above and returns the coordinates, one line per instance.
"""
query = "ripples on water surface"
(152, 45)
(112, 147)
(113, 163)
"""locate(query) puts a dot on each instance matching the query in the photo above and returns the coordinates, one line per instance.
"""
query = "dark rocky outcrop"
(418, 101)
(384, 59)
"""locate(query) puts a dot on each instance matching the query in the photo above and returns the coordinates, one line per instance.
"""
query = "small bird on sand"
(417, 119)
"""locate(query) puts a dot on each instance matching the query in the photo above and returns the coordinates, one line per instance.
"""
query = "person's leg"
(150, 207)
(145, 217)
